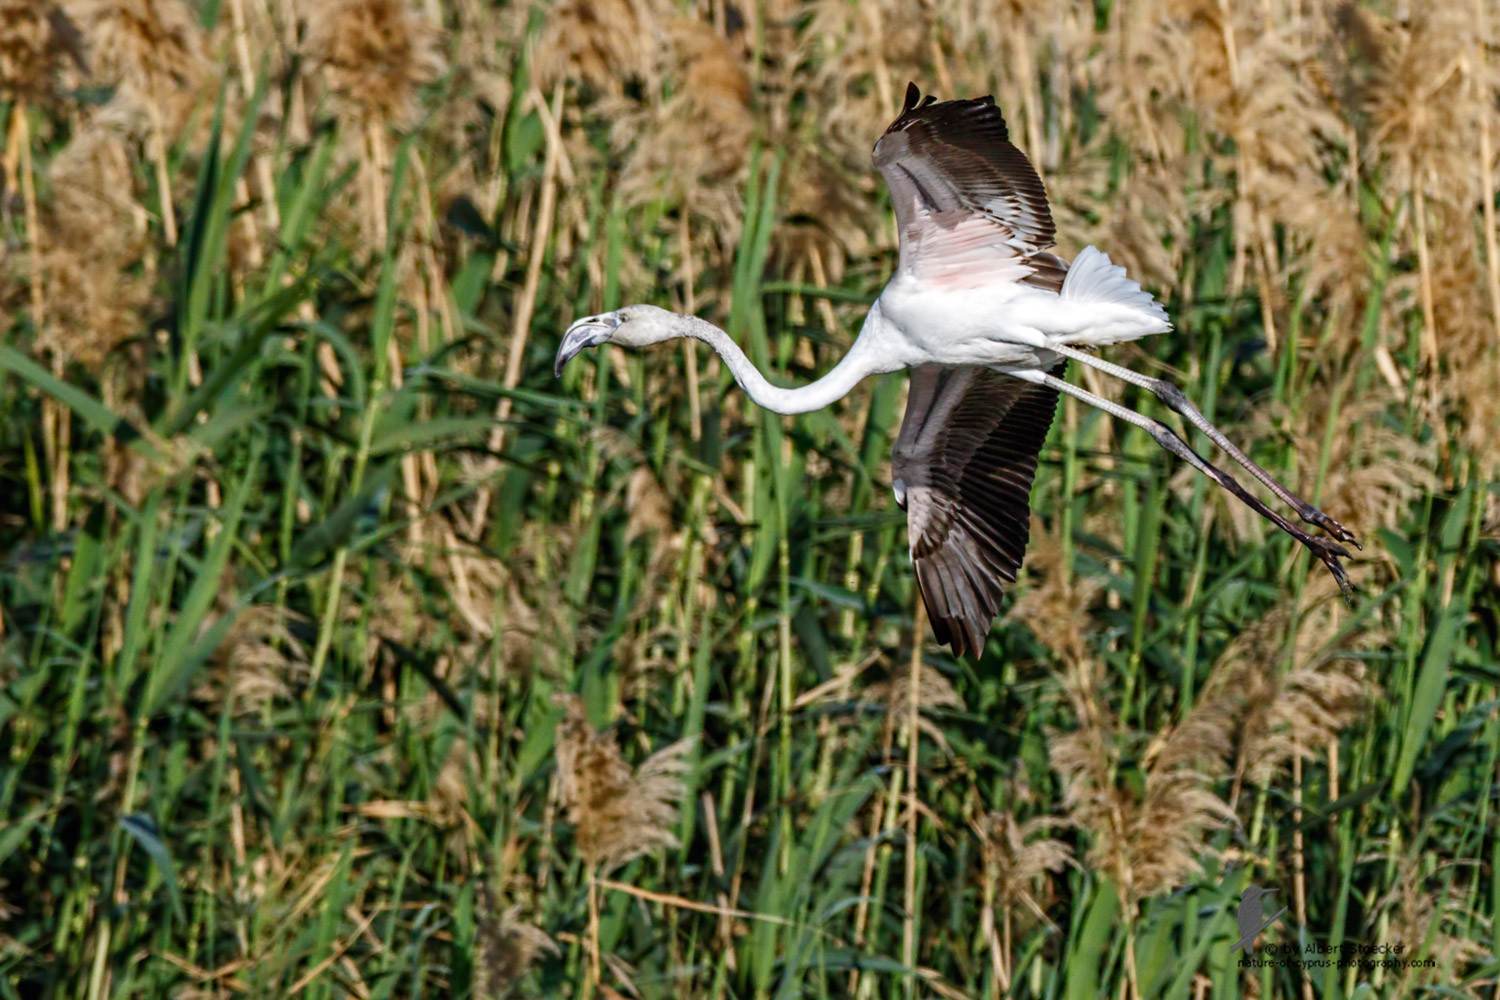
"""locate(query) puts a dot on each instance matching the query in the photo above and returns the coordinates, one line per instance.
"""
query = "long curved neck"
(861, 360)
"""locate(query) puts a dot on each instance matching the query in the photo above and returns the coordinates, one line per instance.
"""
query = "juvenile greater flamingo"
(986, 319)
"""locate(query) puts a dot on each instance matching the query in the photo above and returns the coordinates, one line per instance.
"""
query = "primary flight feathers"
(964, 462)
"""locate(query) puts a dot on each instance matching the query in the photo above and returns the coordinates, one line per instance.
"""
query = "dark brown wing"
(965, 196)
(963, 467)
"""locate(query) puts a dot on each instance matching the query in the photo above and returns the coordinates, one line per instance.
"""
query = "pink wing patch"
(955, 250)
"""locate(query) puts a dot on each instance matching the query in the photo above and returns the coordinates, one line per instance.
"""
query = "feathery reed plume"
(1374, 470)
(504, 948)
(1015, 856)
(1468, 410)
(934, 691)
(154, 53)
(1147, 841)
(617, 814)
(376, 54)
(374, 57)
(1409, 86)
(527, 599)
(603, 44)
(1053, 607)
(1179, 807)
(254, 661)
(1278, 716)
(33, 38)
(37, 41)
(1432, 920)
(1250, 82)
(648, 508)
(155, 48)
(1310, 708)
(1403, 81)
(1150, 216)
(697, 143)
(1146, 836)
(92, 250)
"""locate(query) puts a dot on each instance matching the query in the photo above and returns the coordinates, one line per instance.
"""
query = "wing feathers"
(967, 453)
(972, 211)
(954, 161)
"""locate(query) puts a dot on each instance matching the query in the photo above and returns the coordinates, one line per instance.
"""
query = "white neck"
(861, 360)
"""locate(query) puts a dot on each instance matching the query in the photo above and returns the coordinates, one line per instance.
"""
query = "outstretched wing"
(970, 206)
(963, 467)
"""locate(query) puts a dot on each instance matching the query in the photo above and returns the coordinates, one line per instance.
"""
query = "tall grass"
(346, 653)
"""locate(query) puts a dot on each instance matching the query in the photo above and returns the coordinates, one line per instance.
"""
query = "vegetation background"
(345, 653)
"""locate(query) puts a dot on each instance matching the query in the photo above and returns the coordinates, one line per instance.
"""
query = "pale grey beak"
(591, 331)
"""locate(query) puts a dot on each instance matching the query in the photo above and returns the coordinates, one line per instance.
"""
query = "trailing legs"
(1328, 551)
(1174, 398)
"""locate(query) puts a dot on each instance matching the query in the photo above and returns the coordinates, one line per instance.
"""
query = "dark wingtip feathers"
(963, 637)
(914, 99)
(914, 102)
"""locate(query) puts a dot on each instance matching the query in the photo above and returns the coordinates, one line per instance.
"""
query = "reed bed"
(345, 653)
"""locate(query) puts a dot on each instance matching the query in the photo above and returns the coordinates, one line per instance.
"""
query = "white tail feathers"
(1092, 278)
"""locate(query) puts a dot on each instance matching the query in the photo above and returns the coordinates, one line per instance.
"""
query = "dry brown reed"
(504, 949)
(376, 55)
(895, 695)
(1420, 100)
(256, 662)
(156, 56)
(1249, 721)
(373, 59)
(1426, 911)
(618, 813)
(1016, 856)
(1279, 116)
(602, 44)
(1147, 842)
(1371, 469)
(1280, 713)
(38, 44)
(700, 136)
(1052, 606)
(94, 250)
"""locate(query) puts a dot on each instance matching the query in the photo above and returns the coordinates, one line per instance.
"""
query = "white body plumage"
(1007, 325)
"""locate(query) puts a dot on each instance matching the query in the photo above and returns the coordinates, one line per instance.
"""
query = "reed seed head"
(37, 42)
(377, 54)
(618, 814)
(504, 949)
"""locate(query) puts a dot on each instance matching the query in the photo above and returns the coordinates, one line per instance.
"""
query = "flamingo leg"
(1327, 550)
(1177, 400)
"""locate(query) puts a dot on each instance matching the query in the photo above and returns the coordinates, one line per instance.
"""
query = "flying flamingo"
(986, 319)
